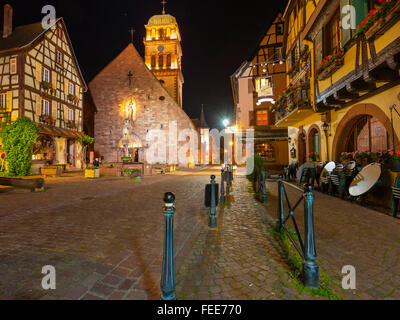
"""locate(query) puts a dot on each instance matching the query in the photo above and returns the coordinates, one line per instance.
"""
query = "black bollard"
(213, 210)
(310, 267)
(168, 270)
(222, 198)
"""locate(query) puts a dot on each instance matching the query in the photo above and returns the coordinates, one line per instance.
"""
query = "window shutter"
(66, 113)
(54, 79)
(38, 105)
(361, 7)
(346, 33)
(54, 110)
(318, 49)
(66, 85)
(77, 91)
(39, 71)
(251, 118)
(9, 101)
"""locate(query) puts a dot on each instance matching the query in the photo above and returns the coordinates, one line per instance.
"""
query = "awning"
(59, 132)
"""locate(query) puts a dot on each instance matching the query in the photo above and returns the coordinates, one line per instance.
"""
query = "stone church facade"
(137, 117)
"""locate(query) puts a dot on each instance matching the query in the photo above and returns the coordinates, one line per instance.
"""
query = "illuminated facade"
(136, 107)
(343, 81)
(40, 79)
(163, 53)
(256, 85)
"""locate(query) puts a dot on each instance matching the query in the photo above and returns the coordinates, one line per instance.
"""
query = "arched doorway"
(314, 143)
(364, 128)
(302, 147)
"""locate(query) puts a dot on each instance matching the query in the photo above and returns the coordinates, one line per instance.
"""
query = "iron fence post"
(168, 284)
(281, 213)
(222, 198)
(310, 267)
(213, 210)
(264, 186)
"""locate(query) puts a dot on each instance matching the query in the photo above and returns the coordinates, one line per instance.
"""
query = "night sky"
(217, 36)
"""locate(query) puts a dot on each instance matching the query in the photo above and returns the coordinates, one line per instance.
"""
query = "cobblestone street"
(105, 239)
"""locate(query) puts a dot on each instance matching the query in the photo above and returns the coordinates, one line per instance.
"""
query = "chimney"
(8, 16)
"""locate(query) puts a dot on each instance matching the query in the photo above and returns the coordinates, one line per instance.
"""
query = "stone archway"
(349, 120)
(312, 131)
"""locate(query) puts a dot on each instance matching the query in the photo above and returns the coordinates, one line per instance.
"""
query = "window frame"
(264, 122)
(71, 85)
(3, 98)
(46, 103)
(59, 51)
(15, 60)
(44, 72)
(334, 21)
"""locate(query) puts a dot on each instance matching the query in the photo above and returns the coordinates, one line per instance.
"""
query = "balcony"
(293, 105)
(370, 63)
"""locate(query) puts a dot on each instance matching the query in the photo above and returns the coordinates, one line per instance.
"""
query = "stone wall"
(155, 108)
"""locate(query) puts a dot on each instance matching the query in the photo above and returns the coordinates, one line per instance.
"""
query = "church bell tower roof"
(161, 19)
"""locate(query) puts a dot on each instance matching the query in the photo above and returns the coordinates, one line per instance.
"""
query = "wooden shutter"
(362, 8)
(77, 89)
(251, 118)
(318, 49)
(66, 85)
(66, 113)
(38, 105)
(39, 71)
(54, 79)
(54, 109)
(9, 101)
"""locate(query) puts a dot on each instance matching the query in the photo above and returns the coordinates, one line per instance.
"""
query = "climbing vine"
(18, 139)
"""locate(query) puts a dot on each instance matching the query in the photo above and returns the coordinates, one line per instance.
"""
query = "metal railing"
(305, 248)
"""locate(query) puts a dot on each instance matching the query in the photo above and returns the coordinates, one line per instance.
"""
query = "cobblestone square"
(105, 239)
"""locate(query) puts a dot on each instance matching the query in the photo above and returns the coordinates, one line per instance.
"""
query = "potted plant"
(92, 172)
(47, 119)
(126, 160)
(49, 170)
(313, 156)
(71, 124)
(330, 64)
(362, 158)
(73, 98)
(395, 161)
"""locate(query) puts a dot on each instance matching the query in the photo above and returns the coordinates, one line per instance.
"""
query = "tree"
(85, 141)
(18, 139)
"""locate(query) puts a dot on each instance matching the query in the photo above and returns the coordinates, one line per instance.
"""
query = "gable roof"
(130, 57)
(25, 36)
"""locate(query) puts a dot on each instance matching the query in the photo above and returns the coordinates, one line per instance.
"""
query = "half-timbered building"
(40, 79)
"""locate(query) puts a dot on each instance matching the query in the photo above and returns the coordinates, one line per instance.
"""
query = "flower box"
(338, 63)
(49, 171)
(92, 173)
(375, 28)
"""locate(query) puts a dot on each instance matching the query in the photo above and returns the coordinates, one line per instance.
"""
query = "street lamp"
(225, 123)
(325, 128)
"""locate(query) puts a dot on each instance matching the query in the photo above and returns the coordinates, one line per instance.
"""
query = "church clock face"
(161, 48)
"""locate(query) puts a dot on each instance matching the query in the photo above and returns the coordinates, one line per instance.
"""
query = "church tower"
(163, 53)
